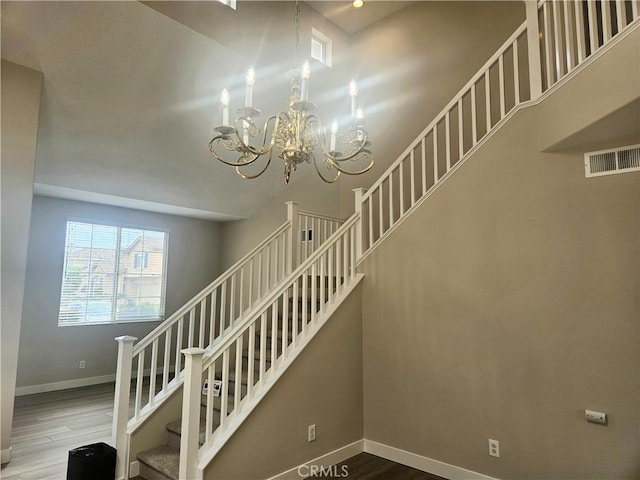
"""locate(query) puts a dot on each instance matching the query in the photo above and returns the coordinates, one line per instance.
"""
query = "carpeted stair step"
(159, 463)
(174, 430)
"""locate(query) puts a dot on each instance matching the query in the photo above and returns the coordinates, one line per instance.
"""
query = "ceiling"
(129, 100)
(351, 19)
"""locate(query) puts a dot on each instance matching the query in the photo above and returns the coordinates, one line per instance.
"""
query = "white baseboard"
(324, 461)
(64, 385)
(5, 455)
(413, 460)
(429, 465)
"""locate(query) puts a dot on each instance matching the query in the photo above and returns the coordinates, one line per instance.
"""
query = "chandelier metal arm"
(324, 179)
(249, 177)
(226, 140)
(253, 129)
(335, 156)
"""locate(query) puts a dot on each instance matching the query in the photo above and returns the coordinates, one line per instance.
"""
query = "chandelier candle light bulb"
(353, 92)
(224, 98)
(251, 80)
(306, 73)
(334, 133)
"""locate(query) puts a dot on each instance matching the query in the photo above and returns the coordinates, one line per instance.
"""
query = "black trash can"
(92, 462)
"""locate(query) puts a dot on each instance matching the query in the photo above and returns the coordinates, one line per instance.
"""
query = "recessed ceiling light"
(358, 3)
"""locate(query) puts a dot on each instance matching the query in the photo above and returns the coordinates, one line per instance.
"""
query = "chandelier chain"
(297, 30)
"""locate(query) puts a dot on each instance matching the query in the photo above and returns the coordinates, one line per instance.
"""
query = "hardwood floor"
(47, 425)
(369, 467)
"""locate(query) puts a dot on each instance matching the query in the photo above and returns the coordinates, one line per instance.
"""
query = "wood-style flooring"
(47, 425)
(369, 467)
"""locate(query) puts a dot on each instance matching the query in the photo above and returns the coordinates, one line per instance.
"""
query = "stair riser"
(149, 473)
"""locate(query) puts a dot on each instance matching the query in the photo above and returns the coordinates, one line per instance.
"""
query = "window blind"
(112, 274)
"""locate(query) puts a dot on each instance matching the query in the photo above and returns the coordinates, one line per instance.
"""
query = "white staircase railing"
(155, 363)
(557, 37)
(260, 348)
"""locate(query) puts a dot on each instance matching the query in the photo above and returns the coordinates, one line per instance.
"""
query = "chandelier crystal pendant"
(297, 134)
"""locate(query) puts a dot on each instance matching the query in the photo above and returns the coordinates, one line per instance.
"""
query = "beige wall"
(322, 387)
(193, 262)
(20, 110)
(410, 65)
(509, 303)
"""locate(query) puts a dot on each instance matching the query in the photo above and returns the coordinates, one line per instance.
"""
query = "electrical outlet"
(82, 364)
(595, 417)
(494, 448)
(312, 432)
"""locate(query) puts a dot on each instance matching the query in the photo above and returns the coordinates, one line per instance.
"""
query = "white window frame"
(320, 37)
(229, 3)
(63, 320)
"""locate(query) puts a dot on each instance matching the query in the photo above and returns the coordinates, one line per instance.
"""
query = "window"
(112, 274)
(141, 260)
(320, 47)
(229, 3)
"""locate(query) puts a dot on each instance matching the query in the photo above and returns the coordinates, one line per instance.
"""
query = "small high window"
(320, 47)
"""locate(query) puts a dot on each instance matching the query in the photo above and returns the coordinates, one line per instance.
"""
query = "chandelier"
(297, 134)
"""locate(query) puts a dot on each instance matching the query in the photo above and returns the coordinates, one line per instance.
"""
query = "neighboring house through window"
(112, 274)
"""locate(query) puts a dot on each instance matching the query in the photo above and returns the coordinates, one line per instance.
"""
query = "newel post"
(359, 192)
(533, 48)
(190, 431)
(121, 403)
(294, 235)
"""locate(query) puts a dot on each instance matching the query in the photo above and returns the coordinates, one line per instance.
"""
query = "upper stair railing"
(557, 37)
(155, 363)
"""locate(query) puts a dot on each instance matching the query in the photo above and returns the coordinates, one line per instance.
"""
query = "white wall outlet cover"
(595, 417)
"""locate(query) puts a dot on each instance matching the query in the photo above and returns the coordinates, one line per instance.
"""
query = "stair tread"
(176, 427)
(165, 459)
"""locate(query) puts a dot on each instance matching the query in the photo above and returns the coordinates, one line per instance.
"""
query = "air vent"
(615, 160)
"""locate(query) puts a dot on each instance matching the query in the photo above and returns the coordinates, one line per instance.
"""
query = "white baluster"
(139, 384)
(474, 122)
(461, 130)
(153, 372)
(593, 26)
(558, 40)
(606, 21)
(570, 37)
(203, 314)
(447, 139)
(401, 188)
(237, 392)
(580, 29)
(252, 359)
(423, 151)
(487, 99)
(501, 84)
(359, 192)
(516, 74)
(436, 175)
(412, 174)
(167, 358)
